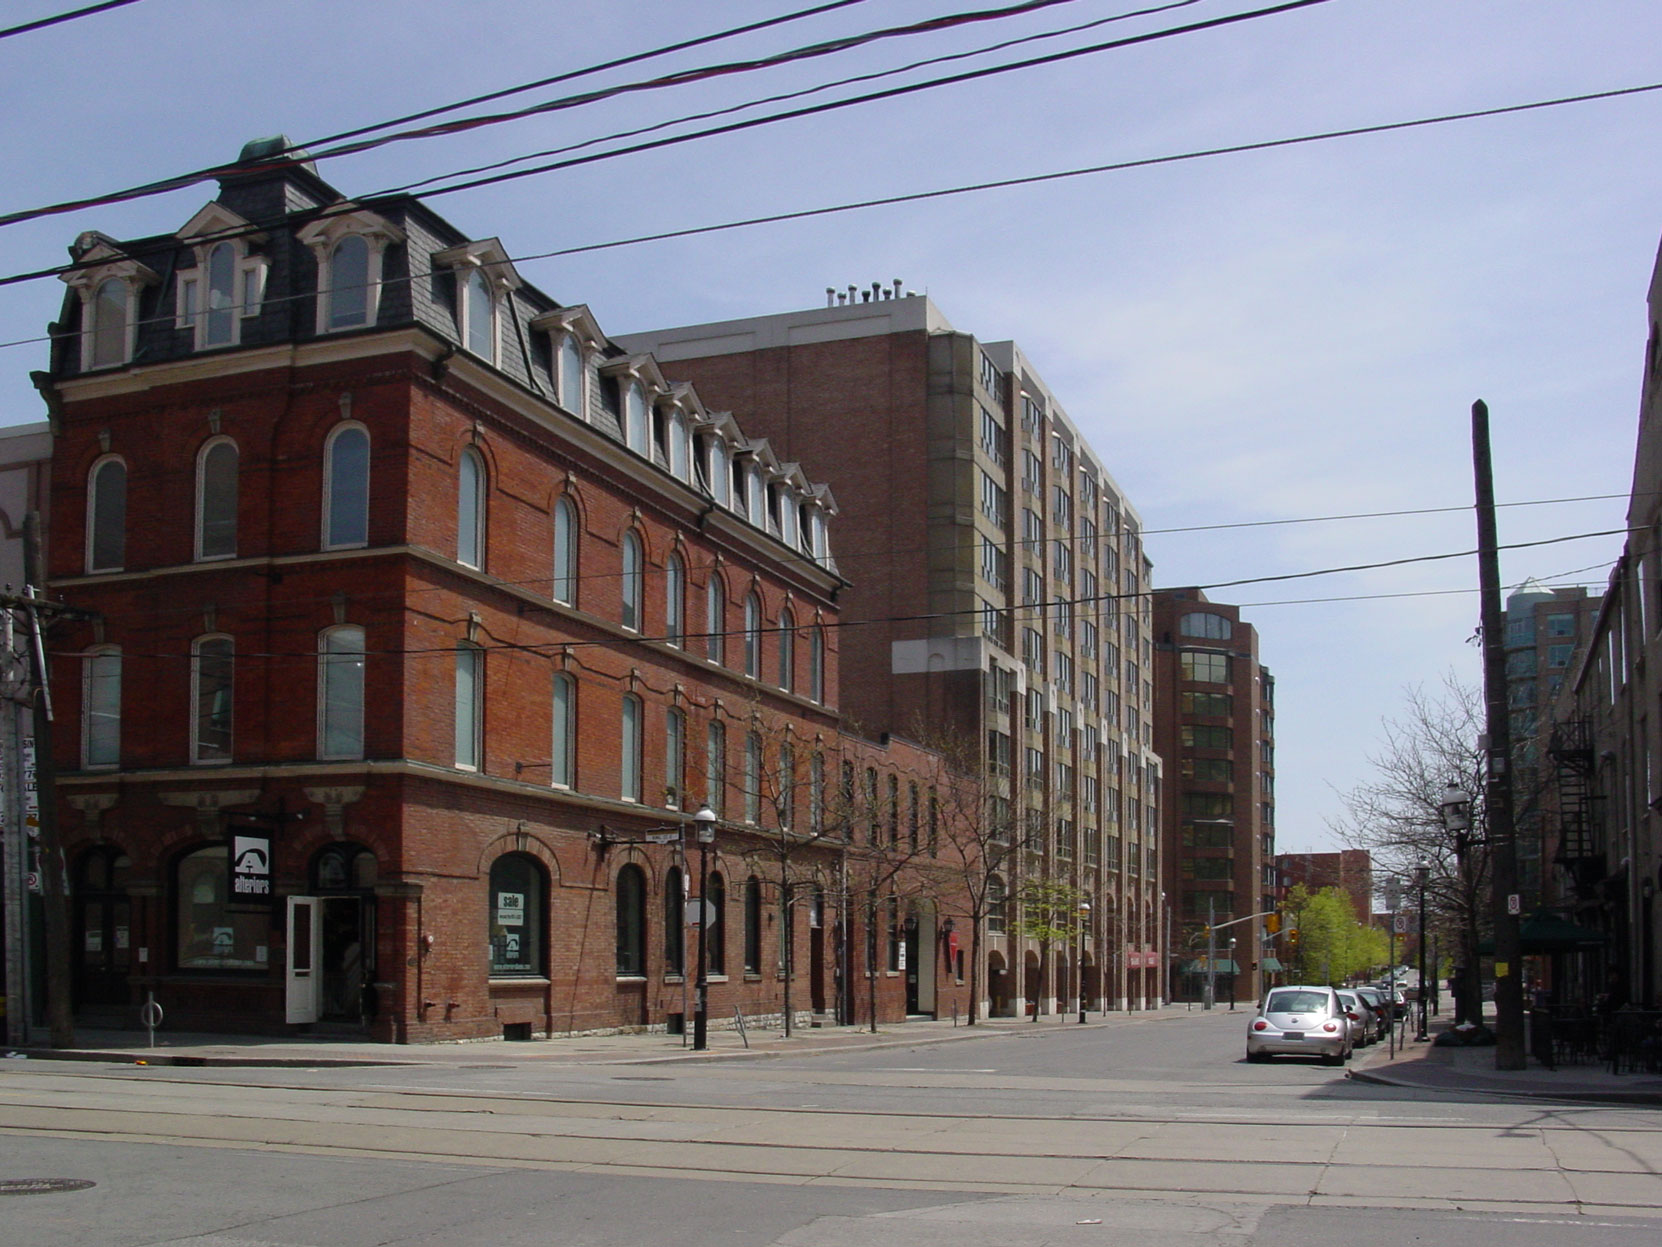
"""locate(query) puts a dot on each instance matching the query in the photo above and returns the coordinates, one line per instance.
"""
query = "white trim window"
(346, 487)
(340, 693)
(629, 746)
(675, 601)
(562, 766)
(227, 285)
(636, 425)
(109, 288)
(216, 500)
(107, 515)
(753, 636)
(565, 552)
(816, 664)
(573, 378)
(483, 277)
(350, 249)
(632, 580)
(212, 688)
(715, 620)
(680, 448)
(721, 472)
(470, 509)
(470, 705)
(787, 650)
(675, 758)
(101, 708)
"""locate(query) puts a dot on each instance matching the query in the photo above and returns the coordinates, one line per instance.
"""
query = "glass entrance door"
(304, 991)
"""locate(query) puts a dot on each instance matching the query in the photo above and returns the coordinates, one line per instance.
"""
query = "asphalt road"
(1059, 1135)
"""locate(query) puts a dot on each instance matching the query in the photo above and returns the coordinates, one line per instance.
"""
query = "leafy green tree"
(1051, 913)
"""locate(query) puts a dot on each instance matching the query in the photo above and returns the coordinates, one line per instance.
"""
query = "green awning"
(1220, 965)
(1271, 964)
(1551, 933)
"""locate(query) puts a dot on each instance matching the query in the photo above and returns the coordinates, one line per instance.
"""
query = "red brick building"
(1214, 710)
(1001, 585)
(1349, 870)
(423, 618)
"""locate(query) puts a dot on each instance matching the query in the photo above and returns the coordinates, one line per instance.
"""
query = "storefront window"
(211, 932)
(516, 917)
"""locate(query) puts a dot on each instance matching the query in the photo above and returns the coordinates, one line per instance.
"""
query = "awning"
(1220, 965)
(1551, 933)
(1270, 964)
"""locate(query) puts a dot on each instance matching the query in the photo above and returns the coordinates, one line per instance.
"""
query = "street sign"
(1514, 903)
(662, 837)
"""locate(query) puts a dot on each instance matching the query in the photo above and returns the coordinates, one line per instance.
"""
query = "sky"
(1246, 339)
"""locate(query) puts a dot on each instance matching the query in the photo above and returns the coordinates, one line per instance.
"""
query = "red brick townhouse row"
(421, 619)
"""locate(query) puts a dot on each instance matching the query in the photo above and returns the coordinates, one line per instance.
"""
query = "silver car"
(1305, 1020)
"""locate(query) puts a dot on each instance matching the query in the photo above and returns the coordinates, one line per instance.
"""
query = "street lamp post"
(1079, 961)
(1233, 970)
(1422, 876)
(704, 821)
(1456, 809)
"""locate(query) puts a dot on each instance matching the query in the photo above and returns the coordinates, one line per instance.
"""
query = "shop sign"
(250, 866)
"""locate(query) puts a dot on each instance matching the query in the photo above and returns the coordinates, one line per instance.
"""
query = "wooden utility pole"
(60, 1012)
(1503, 848)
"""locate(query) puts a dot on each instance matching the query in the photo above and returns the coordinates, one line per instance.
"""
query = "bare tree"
(1398, 814)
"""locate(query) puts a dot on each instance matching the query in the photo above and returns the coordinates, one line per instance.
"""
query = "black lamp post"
(1422, 876)
(704, 821)
(1079, 961)
(1456, 809)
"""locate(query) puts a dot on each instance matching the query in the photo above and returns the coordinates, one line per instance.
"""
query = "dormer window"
(109, 289)
(484, 275)
(635, 435)
(573, 381)
(573, 335)
(349, 247)
(227, 285)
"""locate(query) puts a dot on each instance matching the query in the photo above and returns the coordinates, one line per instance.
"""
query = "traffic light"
(1292, 939)
(1272, 924)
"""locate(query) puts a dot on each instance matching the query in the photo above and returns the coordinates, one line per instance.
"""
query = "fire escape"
(1571, 751)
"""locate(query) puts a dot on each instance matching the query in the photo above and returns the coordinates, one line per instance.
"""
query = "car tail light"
(1353, 1017)
(1330, 1026)
(1260, 1025)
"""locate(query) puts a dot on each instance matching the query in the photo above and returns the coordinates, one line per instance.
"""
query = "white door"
(305, 970)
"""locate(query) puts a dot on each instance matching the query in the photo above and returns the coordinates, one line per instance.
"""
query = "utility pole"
(1503, 848)
(60, 1012)
(14, 844)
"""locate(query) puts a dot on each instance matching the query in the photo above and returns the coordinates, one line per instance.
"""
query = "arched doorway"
(1030, 983)
(999, 1003)
(102, 915)
(343, 883)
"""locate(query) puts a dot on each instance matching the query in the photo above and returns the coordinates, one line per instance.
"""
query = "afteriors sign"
(250, 866)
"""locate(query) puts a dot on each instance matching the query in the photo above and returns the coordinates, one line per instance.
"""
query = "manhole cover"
(41, 1186)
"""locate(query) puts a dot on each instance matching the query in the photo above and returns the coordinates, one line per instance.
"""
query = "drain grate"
(41, 1186)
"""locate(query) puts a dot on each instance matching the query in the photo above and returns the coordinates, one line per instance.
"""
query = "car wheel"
(1333, 1058)
(1258, 1058)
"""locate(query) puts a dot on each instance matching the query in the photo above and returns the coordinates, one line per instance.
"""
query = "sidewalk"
(1425, 1067)
(318, 1052)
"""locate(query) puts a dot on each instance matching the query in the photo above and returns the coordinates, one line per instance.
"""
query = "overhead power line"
(60, 18)
(941, 193)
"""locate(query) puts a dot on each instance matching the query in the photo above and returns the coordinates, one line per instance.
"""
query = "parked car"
(1394, 993)
(1375, 1000)
(1307, 1021)
(1366, 1025)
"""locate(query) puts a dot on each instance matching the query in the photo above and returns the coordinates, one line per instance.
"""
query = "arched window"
(349, 283)
(562, 766)
(787, 785)
(787, 649)
(715, 766)
(629, 745)
(219, 325)
(816, 664)
(715, 619)
(721, 473)
(565, 551)
(816, 793)
(755, 501)
(635, 434)
(715, 950)
(631, 922)
(631, 586)
(753, 636)
(101, 708)
(675, 922)
(470, 704)
(110, 324)
(675, 758)
(753, 925)
(572, 380)
(211, 695)
(346, 488)
(216, 500)
(680, 448)
(753, 777)
(210, 933)
(479, 315)
(515, 909)
(340, 693)
(107, 516)
(470, 509)
(675, 601)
